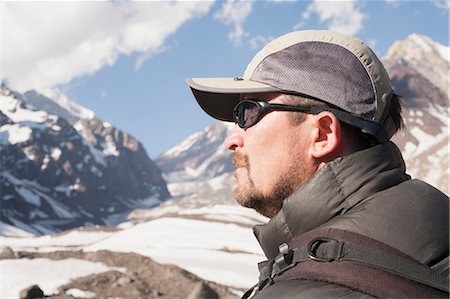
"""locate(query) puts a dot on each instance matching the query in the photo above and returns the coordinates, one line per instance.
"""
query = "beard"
(248, 195)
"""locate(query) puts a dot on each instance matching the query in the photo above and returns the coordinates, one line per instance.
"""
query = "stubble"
(249, 195)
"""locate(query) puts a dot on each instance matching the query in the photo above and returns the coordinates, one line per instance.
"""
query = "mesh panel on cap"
(322, 70)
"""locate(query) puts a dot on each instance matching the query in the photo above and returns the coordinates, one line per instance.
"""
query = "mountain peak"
(416, 47)
(422, 56)
(430, 46)
(56, 102)
(62, 167)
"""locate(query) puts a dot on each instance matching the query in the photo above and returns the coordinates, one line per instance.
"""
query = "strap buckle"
(325, 249)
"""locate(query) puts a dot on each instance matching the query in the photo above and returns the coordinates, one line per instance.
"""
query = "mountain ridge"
(60, 173)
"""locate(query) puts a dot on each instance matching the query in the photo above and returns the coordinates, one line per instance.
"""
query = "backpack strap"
(354, 261)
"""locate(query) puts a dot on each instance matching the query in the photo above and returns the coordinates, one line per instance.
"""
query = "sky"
(127, 61)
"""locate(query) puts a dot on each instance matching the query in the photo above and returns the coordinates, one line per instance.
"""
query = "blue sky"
(127, 61)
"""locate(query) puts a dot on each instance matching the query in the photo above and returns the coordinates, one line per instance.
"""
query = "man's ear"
(327, 135)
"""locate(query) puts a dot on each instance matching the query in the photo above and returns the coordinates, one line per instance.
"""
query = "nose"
(234, 139)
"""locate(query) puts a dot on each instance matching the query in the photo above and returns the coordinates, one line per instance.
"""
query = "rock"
(124, 280)
(156, 293)
(31, 292)
(203, 291)
(7, 253)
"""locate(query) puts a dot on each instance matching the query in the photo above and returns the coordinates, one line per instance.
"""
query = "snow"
(62, 100)
(74, 240)
(45, 162)
(190, 244)
(98, 155)
(444, 52)
(426, 141)
(30, 152)
(23, 226)
(148, 202)
(226, 253)
(194, 246)
(408, 150)
(184, 146)
(237, 270)
(219, 182)
(168, 232)
(11, 108)
(34, 197)
(441, 113)
(12, 231)
(24, 182)
(429, 45)
(48, 274)
(228, 213)
(29, 196)
(60, 209)
(78, 126)
(77, 293)
(37, 213)
(420, 41)
(111, 149)
(38, 192)
(15, 133)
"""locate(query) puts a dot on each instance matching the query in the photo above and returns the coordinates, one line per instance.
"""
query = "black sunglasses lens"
(247, 113)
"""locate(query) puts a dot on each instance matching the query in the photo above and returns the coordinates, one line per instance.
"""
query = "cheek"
(273, 147)
(271, 164)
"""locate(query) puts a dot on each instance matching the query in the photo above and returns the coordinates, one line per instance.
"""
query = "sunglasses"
(249, 112)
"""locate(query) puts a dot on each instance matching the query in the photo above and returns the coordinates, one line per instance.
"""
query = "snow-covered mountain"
(420, 71)
(200, 167)
(62, 167)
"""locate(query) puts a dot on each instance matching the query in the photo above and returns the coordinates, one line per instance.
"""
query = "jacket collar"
(333, 190)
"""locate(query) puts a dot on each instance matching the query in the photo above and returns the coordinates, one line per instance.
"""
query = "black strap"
(324, 249)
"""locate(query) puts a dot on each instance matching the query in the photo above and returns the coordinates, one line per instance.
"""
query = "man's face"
(271, 158)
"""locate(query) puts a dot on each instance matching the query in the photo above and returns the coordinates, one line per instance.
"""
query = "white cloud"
(48, 43)
(343, 16)
(442, 4)
(259, 41)
(235, 13)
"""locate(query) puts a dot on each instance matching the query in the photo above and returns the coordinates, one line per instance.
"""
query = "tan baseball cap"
(332, 67)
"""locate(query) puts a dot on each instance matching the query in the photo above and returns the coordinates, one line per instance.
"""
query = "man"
(315, 112)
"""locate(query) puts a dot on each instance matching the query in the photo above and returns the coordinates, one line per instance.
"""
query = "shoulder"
(412, 217)
(299, 289)
(419, 189)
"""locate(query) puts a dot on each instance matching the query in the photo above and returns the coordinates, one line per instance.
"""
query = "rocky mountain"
(420, 71)
(63, 167)
(200, 169)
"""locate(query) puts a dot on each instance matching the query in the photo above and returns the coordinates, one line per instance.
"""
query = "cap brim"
(219, 96)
